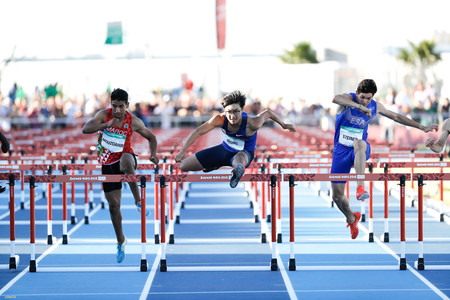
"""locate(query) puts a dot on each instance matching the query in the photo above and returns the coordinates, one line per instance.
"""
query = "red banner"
(221, 22)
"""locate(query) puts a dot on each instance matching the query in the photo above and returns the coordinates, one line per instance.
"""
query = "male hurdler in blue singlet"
(239, 139)
(350, 142)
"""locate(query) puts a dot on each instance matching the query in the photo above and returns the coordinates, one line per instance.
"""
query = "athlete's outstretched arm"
(140, 128)
(404, 120)
(258, 121)
(347, 100)
(438, 146)
(216, 121)
(98, 123)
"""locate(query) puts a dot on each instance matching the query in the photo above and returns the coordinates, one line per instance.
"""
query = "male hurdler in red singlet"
(115, 126)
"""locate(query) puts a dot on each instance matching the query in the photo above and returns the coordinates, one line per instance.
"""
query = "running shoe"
(138, 207)
(361, 194)
(2, 188)
(238, 172)
(354, 226)
(121, 251)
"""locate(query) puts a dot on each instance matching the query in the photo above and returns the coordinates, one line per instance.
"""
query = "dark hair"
(367, 86)
(232, 98)
(119, 95)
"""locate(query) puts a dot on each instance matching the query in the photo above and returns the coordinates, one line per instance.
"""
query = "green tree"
(302, 53)
(419, 58)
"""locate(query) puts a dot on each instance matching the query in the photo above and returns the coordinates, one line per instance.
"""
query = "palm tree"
(420, 58)
(302, 53)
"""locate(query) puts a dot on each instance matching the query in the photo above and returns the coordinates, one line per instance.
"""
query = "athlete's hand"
(366, 111)
(431, 127)
(429, 142)
(154, 159)
(180, 156)
(289, 127)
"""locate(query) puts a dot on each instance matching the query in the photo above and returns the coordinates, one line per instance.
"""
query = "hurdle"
(163, 179)
(440, 165)
(33, 267)
(13, 258)
(347, 177)
(420, 263)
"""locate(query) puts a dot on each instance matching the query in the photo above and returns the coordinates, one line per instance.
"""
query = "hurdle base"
(177, 220)
(13, 262)
(441, 218)
(269, 218)
(371, 240)
(73, 220)
(163, 265)
(182, 203)
(363, 218)
(420, 264)
(274, 264)
(256, 219)
(251, 204)
(103, 205)
(33, 265)
(171, 239)
(156, 238)
(143, 265)
(263, 238)
(49, 239)
(91, 205)
(402, 264)
(22, 205)
(279, 238)
(292, 266)
(86, 220)
(65, 240)
(385, 237)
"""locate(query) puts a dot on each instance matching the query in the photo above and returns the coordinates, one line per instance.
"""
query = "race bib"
(232, 142)
(113, 142)
(348, 135)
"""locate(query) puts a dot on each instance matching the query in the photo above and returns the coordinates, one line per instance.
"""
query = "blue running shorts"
(218, 156)
(344, 158)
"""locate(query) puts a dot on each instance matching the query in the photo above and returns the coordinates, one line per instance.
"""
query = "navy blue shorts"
(218, 156)
(344, 158)
(114, 169)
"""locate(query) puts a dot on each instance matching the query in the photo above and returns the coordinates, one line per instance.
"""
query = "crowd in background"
(188, 105)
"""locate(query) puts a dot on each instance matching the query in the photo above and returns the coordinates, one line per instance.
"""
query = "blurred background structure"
(176, 58)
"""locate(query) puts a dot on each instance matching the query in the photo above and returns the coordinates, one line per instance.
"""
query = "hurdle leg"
(163, 262)
(279, 233)
(22, 192)
(273, 262)
(402, 264)
(385, 238)
(371, 240)
(13, 258)
(420, 264)
(64, 192)
(156, 213)
(263, 213)
(33, 265)
(292, 266)
(144, 266)
(49, 215)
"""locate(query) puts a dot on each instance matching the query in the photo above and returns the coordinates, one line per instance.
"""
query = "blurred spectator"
(166, 111)
(403, 102)
(443, 109)
(418, 95)
(388, 125)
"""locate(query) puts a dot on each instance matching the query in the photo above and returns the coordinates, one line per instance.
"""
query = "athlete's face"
(233, 113)
(364, 98)
(119, 108)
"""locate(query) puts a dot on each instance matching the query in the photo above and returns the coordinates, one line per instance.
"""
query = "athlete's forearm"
(408, 122)
(3, 138)
(91, 127)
